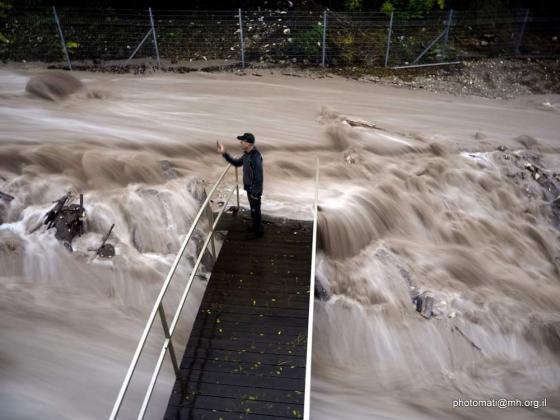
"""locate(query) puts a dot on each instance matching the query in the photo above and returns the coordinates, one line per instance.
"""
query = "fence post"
(61, 38)
(155, 37)
(138, 47)
(242, 43)
(324, 55)
(389, 39)
(521, 33)
(446, 38)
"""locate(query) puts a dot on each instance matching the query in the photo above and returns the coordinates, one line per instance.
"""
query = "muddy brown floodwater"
(427, 204)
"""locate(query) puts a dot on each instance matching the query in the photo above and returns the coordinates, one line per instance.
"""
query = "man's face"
(245, 145)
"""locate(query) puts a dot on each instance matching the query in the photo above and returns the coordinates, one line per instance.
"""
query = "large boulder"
(53, 86)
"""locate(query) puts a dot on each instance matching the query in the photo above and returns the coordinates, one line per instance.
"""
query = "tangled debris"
(489, 78)
(526, 170)
(68, 220)
(105, 250)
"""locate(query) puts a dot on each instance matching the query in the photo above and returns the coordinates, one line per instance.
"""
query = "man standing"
(252, 163)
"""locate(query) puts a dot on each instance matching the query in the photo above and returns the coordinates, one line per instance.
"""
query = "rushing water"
(409, 207)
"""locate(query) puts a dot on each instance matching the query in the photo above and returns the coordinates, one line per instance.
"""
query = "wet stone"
(106, 251)
(424, 305)
(168, 170)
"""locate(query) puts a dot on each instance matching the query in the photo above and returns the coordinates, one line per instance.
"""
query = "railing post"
(62, 38)
(324, 55)
(389, 39)
(446, 38)
(242, 44)
(521, 33)
(309, 350)
(155, 37)
(237, 185)
(171, 349)
(211, 222)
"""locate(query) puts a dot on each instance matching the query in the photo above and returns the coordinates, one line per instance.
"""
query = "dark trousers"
(255, 204)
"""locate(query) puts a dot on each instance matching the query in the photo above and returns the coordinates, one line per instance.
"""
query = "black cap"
(248, 137)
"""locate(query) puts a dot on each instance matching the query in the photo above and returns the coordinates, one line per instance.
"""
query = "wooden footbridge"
(248, 355)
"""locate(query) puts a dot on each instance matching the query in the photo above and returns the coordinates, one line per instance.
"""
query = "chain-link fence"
(250, 38)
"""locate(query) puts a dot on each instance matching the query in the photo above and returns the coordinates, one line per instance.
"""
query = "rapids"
(423, 202)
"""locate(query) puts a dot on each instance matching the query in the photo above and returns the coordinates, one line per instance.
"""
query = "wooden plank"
(223, 308)
(241, 379)
(269, 347)
(240, 319)
(178, 413)
(260, 300)
(252, 337)
(249, 268)
(256, 368)
(179, 395)
(270, 326)
(268, 288)
(244, 357)
(243, 406)
(278, 283)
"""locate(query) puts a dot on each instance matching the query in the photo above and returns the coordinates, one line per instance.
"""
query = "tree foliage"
(5, 6)
(353, 5)
(411, 7)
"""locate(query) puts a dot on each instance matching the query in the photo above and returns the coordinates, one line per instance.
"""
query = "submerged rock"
(105, 250)
(424, 305)
(168, 170)
(11, 253)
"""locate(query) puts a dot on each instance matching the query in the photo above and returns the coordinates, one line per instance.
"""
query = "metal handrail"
(311, 301)
(158, 307)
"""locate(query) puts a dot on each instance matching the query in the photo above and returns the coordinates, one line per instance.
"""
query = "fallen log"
(6, 197)
(359, 123)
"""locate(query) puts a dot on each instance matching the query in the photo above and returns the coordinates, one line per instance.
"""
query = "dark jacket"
(252, 170)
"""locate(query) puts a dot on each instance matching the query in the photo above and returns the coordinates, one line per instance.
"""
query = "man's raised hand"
(220, 147)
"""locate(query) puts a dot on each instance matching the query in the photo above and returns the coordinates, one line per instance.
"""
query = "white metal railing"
(311, 301)
(169, 329)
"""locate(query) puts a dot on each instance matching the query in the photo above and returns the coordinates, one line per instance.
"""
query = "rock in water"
(424, 304)
(527, 141)
(53, 86)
